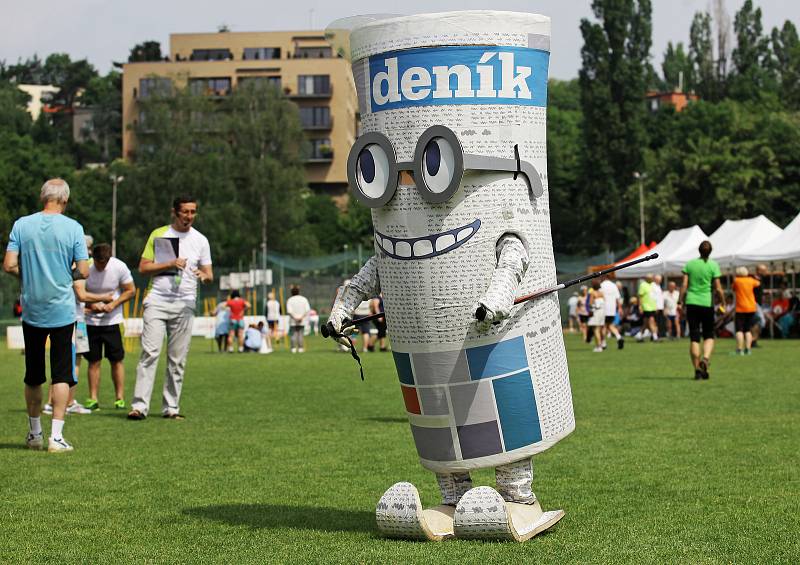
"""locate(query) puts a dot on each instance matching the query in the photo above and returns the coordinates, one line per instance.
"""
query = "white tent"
(785, 247)
(677, 247)
(735, 238)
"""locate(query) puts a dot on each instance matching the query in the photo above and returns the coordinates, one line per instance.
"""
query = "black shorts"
(106, 338)
(62, 356)
(648, 314)
(700, 317)
(610, 319)
(272, 323)
(744, 321)
(381, 325)
(583, 318)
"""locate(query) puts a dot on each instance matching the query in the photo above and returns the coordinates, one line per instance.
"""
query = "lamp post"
(115, 180)
(640, 177)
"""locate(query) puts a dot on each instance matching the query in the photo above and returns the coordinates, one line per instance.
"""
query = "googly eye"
(373, 171)
(438, 165)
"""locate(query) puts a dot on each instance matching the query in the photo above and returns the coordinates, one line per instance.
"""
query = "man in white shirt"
(107, 275)
(671, 297)
(177, 257)
(658, 295)
(298, 308)
(612, 304)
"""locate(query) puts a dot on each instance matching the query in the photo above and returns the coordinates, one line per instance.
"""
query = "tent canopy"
(739, 237)
(677, 247)
(785, 246)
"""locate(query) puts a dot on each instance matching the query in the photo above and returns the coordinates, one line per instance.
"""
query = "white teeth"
(422, 247)
(464, 234)
(387, 245)
(403, 249)
(444, 241)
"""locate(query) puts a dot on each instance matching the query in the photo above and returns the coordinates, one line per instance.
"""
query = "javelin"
(480, 313)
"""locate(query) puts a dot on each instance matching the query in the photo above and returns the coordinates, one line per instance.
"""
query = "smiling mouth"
(427, 246)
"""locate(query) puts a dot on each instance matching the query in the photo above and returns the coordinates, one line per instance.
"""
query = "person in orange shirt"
(237, 306)
(743, 287)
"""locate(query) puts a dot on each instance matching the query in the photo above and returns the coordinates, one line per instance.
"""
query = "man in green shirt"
(648, 304)
(700, 276)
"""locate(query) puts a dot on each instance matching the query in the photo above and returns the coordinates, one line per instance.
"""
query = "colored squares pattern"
(470, 403)
(442, 367)
(497, 358)
(434, 444)
(516, 406)
(402, 361)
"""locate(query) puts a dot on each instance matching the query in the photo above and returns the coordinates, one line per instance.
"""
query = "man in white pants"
(177, 256)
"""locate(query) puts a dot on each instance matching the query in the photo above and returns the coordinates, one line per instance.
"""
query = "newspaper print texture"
(430, 303)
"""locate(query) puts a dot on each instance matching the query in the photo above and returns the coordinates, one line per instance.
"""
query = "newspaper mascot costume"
(453, 164)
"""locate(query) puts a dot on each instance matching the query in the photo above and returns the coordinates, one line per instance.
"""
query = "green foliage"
(613, 80)
(786, 50)
(146, 51)
(677, 69)
(753, 76)
(706, 82)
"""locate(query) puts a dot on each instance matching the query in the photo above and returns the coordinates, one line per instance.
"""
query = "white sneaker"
(34, 441)
(59, 445)
(294, 350)
(598, 350)
(301, 350)
(47, 408)
(77, 408)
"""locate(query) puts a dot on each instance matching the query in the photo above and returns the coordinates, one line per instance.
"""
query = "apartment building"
(301, 63)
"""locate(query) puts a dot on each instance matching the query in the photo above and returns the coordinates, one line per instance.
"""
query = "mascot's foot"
(483, 514)
(399, 514)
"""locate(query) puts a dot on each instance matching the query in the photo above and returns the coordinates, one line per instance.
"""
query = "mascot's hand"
(489, 311)
(337, 320)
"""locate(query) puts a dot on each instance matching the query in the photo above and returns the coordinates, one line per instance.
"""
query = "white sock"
(35, 425)
(57, 429)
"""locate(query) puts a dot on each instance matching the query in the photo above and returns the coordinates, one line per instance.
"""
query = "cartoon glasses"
(438, 167)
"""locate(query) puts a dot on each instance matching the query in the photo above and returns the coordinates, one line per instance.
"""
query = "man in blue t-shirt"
(42, 249)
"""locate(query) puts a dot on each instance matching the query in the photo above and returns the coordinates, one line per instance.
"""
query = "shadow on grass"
(386, 420)
(678, 378)
(14, 446)
(274, 516)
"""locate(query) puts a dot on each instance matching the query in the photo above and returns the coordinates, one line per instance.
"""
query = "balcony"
(323, 124)
(320, 156)
(320, 95)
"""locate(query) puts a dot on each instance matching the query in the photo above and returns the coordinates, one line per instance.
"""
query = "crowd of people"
(74, 298)
(653, 313)
(73, 292)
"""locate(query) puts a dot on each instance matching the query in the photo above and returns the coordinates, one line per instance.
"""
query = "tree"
(146, 51)
(753, 77)
(613, 80)
(677, 69)
(786, 49)
(268, 145)
(707, 82)
(104, 96)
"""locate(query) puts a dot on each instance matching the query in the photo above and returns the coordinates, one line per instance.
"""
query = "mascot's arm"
(512, 261)
(365, 284)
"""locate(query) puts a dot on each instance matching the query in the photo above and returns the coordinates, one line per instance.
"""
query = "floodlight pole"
(115, 180)
(640, 177)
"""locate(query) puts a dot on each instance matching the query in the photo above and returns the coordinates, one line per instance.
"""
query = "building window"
(321, 149)
(313, 53)
(154, 86)
(259, 53)
(315, 116)
(211, 55)
(215, 86)
(260, 82)
(314, 84)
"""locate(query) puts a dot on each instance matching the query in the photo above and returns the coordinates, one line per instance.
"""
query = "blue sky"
(103, 30)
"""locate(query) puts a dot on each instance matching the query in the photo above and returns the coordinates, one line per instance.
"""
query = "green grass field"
(283, 457)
